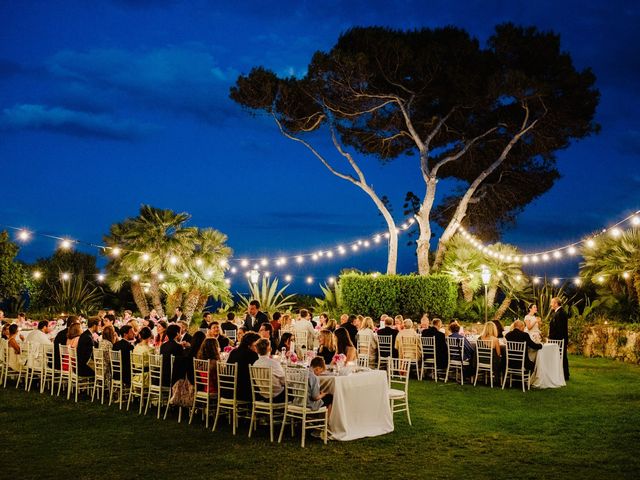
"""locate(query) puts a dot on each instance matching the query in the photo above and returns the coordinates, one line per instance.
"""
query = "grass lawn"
(590, 429)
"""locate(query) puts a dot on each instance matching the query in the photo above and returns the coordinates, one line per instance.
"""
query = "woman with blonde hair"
(398, 322)
(331, 325)
(285, 324)
(367, 340)
(327, 348)
(490, 333)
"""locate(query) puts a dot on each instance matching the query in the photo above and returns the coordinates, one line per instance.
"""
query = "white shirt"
(277, 374)
(305, 326)
(37, 338)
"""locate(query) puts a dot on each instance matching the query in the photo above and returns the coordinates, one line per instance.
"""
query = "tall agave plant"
(271, 299)
(332, 301)
(76, 296)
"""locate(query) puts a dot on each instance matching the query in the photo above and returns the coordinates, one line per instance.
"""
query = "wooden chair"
(398, 374)
(484, 360)
(455, 351)
(201, 395)
(262, 394)
(297, 388)
(24, 369)
(157, 392)
(385, 349)
(117, 382)
(515, 364)
(139, 380)
(76, 382)
(410, 351)
(65, 368)
(100, 382)
(227, 394)
(35, 365)
(429, 359)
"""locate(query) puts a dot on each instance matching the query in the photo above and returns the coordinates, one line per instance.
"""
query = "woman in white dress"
(532, 324)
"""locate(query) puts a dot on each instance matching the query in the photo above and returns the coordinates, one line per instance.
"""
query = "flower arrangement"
(228, 349)
(339, 358)
(293, 358)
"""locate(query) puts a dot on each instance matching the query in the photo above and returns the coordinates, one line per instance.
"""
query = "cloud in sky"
(179, 79)
(72, 122)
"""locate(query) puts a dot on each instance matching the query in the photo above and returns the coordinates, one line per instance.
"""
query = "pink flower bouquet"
(293, 358)
(228, 349)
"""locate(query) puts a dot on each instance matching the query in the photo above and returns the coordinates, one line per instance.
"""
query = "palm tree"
(505, 273)
(463, 263)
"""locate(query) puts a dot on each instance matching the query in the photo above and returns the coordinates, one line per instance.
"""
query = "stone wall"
(610, 341)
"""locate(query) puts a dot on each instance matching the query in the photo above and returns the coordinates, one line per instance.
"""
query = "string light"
(115, 251)
(173, 260)
(145, 257)
(24, 235)
(65, 244)
(134, 277)
(37, 274)
(65, 276)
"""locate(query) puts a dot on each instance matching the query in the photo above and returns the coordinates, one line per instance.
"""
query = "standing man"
(559, 330)
(254, 317)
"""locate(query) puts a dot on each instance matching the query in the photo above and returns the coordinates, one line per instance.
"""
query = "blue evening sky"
(105, 105)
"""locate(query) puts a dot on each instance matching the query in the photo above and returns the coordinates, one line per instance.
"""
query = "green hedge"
(409, 295)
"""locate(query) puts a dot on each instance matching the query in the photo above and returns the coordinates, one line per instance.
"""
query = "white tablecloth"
(548, 371)
(360, 405)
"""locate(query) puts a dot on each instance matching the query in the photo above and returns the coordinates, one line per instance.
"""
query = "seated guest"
(86, 343)
(490, 333)
(15, 362)
(366, 331)
(263, 348)
(323, 319)
(317, 399)
(191, 352)
(244, 356)
(61, 339)
(135, 325)
(265, 331)
(240, 333)
(499, 328)
(210, 350)
(145, 349)
(285, 324)
(388, 330)
(109, 320)
(398, 322)
(408, 332)
(37, 338)
(424, 323)
(344, 345)
(109, 338)
(214, 332)
(161, 332)
(167, 350)
(454, 328)
(5, 330)
(285, 342)
(327, 348)
(517, 334)
(442, 357)
(304, 329)
(348, 322)
(229, 323)
(275, 323)
(184, 338)
(125, 347)
(206, 319)
(331, 325)
(73, 335)
(178, 316)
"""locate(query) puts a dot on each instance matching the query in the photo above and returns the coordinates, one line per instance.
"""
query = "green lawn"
(590, 429)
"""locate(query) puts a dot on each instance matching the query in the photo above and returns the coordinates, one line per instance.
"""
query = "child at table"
(318, 367)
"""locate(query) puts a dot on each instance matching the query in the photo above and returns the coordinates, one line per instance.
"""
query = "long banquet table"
(360, 405)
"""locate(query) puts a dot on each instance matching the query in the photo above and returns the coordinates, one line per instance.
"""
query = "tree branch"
(456, 156)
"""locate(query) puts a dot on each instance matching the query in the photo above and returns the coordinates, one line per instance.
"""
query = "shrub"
(409, 295)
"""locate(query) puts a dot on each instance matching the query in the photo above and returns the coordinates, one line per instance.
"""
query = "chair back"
(428, 350)
(99, 363)
(4, 350)
(64, 357)
(34, 352)
(409, 347)
(455, 350)
(227, 380)
(105, 345)
(25, 354)
(261, 383)
(201, 376)
(230, 334)
(137, 369)
(47, 356)
(560, 344)
(73, 362)
(155, 370)
(297, 385)
(515, 355)
(116, 365)
(484, 352)
(398, 373)
(385, 345)
(364, 341)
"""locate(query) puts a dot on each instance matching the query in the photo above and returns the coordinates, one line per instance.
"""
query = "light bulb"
(244, 262)
(135, 277)
(24, 235)
(287, 278)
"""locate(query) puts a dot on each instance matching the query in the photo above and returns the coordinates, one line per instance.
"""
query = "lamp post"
(486, 278)
(254, 275)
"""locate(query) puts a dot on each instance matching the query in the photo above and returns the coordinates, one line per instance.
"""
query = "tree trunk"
(140, 298)
(156, 298)
(467, 292)
(491, 294)
(636, 281)
(504, 306)
(424, 223)
(191, 302)
(202, 302)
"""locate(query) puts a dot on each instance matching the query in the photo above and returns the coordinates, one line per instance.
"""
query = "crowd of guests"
(255, 339)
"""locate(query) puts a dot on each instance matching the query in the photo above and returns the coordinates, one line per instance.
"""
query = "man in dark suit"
(517, 334)
(388, 331)
(442, 356)
(228, 324)
(254, 317)
(184, 336)
(61, 339)
(169, 348)
(86, 343)
(214, 332)
(559, 330)
(178, 316)
(346, 321)
(125, 347)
